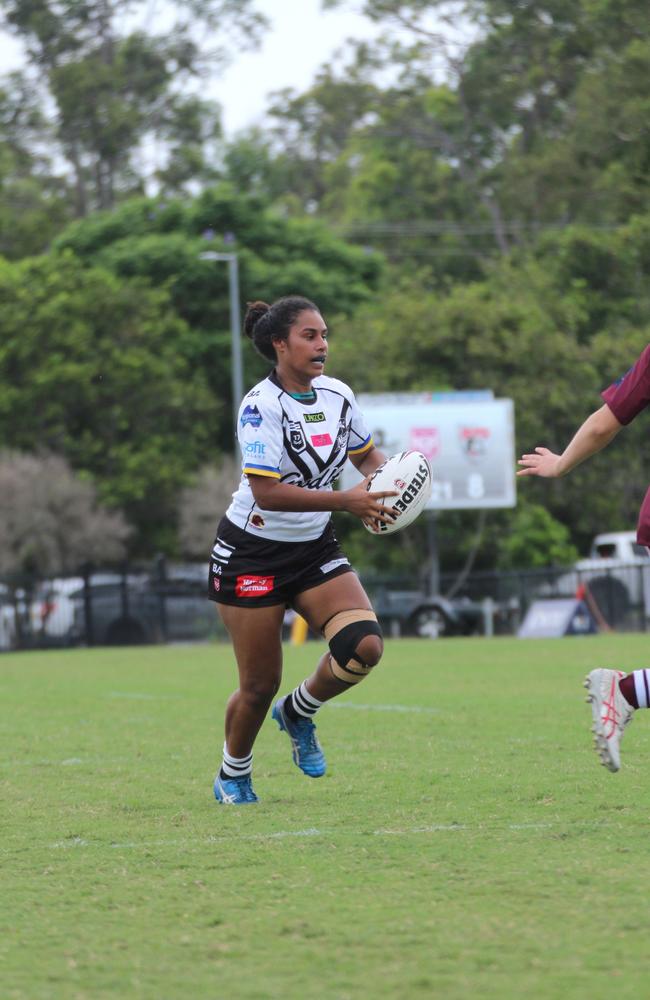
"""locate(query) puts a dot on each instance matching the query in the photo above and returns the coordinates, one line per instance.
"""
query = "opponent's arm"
(595, 433)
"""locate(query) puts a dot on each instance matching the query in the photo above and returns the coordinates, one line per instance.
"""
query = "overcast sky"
(301, 37)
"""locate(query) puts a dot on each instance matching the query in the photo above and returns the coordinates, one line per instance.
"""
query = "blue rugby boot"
(305, 748)
(234, 791)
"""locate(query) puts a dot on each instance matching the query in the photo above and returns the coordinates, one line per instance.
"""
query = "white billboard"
(468, 438)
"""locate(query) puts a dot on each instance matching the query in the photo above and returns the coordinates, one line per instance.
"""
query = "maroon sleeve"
(631, 392)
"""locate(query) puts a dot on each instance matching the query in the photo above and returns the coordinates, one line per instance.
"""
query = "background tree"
(34, 201)
(203, 503)
(51, 520)
(115, 89)
(161, 242)
(90, 369)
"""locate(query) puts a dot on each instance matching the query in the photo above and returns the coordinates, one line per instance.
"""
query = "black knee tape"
(344, 636)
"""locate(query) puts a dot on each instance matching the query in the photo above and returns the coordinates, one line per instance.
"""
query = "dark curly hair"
(264, 323)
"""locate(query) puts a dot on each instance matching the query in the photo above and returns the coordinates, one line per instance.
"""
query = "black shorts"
(252, 572)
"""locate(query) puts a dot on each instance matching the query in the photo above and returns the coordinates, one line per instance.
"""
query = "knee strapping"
(343, 632)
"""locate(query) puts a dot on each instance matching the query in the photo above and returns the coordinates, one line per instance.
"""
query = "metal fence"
(166, 602)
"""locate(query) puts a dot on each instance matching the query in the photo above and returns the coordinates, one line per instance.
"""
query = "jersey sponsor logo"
(255, 449)
(254, 586)
(252, 416)
(257, 521)
(314, 418)
(320, 440)
(297, 436)
(216, 569)
(216, 583)
(334, 564)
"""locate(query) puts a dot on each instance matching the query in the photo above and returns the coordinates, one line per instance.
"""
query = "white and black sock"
(235, 767)
(300, 704)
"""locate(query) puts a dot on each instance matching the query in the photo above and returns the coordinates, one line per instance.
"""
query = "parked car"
(53, 603)
(411, 612)
(7, 618)
(145, 609)
(617, 572)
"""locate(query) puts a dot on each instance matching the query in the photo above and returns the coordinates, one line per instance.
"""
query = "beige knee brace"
(343, 632)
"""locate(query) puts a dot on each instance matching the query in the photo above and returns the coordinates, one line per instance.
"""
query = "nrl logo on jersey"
(314, 418)
(297, 436)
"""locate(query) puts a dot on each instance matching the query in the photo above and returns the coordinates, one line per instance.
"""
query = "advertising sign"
(468, 439)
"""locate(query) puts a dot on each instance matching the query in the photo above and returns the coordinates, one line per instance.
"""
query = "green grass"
(470, 848)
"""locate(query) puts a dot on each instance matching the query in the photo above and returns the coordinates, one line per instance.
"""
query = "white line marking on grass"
(69, 761)
(421, 709)
(434, 828)
(278, 835)
(309, 832)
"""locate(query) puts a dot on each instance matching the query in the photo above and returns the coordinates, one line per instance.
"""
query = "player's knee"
(370, 650)
(355, 643)
(260, 692)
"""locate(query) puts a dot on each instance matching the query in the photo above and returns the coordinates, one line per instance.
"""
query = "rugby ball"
(410, 474)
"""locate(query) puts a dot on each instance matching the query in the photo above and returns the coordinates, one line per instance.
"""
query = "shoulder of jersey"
(325, 382)
(264, 391)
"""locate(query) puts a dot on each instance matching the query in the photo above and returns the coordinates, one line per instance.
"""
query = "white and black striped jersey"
(305, 444)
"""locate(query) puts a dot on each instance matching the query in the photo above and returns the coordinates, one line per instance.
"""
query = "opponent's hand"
(542, 463)
(365, 505)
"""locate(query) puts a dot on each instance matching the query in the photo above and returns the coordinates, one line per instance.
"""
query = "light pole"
(237, 368)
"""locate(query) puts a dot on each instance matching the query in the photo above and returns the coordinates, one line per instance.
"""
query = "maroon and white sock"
(635, 688)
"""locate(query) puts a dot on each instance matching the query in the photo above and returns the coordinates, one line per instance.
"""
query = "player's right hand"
(365, 505)
(542, 463)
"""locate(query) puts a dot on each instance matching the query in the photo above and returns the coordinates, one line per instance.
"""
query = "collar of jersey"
(302, 397)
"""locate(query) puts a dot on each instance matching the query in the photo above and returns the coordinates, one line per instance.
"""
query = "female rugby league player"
(276, 548)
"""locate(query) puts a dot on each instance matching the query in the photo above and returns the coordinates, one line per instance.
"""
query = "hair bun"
(254, 313)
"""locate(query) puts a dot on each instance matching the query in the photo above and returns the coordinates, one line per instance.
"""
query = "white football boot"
(611, 714)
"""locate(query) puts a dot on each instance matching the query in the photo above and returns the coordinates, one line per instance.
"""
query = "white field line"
(75, 842)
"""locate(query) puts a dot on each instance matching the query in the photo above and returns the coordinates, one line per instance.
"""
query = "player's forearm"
(284, 496)
(596, 432)
(371, 461)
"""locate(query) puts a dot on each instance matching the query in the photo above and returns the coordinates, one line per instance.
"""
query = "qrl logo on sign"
(425, 440)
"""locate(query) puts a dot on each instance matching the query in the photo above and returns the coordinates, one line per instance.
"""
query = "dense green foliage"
(90, 369)
(467, 200)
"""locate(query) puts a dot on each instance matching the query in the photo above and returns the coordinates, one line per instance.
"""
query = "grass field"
(465, 842)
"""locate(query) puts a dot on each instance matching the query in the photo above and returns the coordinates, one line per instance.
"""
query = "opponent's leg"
(256, 637)
(613, 697)
(342, 611)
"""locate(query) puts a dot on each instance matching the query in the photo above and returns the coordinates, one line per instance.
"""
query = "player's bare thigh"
(318, 604)
(256, 635)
